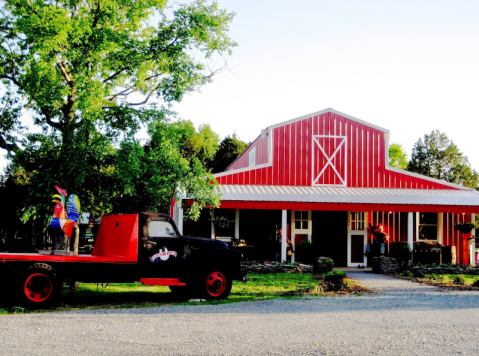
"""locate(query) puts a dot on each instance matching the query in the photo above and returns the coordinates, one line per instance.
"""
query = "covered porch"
(335, 220)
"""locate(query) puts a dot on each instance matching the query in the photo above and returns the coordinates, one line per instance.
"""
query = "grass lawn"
(135, 295)
(449, 278)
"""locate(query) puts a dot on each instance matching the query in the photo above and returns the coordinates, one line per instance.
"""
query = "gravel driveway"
(404, 318)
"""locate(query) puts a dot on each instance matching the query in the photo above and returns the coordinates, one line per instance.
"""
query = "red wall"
(261, 145)
(361, 161)
(395, 225)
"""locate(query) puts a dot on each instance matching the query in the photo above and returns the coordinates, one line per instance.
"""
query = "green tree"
(229, 150)
(438, 157)
(150, 176)
(86, 72)
(397, 156)
(202, 144)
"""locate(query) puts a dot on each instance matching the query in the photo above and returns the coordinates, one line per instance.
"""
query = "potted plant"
(465, 227)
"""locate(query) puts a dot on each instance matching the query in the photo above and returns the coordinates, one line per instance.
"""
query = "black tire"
(215, 284)
(40, 287)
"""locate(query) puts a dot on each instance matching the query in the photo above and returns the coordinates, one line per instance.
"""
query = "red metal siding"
(261, 146)
(361, 162)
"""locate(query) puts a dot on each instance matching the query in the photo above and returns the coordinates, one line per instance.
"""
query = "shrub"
(438, 277)
(304, 252)
(476, 283)
(418, 274)
(401, 251)
(407, 273)
(460, 280)
(325, 266)
(335, 280)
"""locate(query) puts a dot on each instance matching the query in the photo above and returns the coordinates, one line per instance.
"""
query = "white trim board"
(331, 111)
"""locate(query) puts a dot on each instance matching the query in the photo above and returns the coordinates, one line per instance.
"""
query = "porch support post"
(284, 234)
(472, 243)
(410, 230)
(237, 218)
(179, 224)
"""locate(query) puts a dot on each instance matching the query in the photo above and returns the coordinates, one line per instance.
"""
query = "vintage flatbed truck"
(144, 247)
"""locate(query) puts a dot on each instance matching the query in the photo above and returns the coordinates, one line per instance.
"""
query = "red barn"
(323, 177)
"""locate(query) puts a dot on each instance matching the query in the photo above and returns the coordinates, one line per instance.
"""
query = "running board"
(162, 282)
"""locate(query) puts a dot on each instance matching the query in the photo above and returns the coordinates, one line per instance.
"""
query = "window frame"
(357, 221)
(438, 226)
(301, 219)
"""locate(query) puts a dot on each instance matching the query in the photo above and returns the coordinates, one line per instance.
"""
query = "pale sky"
(408, 66)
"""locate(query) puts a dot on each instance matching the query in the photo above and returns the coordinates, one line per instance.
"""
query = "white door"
(357, 238)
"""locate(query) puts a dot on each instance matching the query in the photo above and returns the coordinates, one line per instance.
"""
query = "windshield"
(161, 229)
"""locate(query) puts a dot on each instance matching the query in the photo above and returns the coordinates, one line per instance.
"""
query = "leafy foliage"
(401, 251)
(460, 280)
(397, 156)
(325, 266)
(85, 72)
(305, 253)
(335, 280)
(229, 150)
(150, 176)
(438, 157)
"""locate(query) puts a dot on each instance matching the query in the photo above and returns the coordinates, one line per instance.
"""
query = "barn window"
(252, 157)
(357, 221)
(427, 227)
(301, 220)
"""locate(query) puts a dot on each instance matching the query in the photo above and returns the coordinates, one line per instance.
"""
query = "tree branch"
(31, 8)
(56, 125)
(4, 76)
(95, 18)
(124, 92)
(146, 100)
(63, 69)
(10, 147)
(114, 75)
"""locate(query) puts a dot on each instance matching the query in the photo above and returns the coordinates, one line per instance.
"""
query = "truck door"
(164, 252)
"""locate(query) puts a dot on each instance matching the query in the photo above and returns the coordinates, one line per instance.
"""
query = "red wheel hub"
(216, 284)
(38, 287)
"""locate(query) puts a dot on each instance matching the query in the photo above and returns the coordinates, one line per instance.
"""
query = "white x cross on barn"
(342, 143)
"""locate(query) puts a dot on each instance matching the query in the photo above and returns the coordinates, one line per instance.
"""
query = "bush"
(460, 280)
(325, 266)
(335, 280)
(438, 277)
(401, 251)
(304, 252)
(476, 283)
(418, 274)
(407, 273)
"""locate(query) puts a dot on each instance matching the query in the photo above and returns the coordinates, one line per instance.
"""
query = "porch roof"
(343, 198)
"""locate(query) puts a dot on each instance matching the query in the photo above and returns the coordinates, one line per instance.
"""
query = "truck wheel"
(40, 288)
(216, 285)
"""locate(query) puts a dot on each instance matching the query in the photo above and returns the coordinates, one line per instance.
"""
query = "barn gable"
(325, 148)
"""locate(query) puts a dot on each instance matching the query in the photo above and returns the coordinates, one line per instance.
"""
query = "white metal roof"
(275, 193)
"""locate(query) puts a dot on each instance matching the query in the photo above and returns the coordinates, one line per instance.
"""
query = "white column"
(284, 236)
(410, 230)
(472, 244)
(237, 218)
(180, 219)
